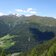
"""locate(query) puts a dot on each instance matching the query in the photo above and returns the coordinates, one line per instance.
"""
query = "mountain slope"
(29, 31)
(45, 49)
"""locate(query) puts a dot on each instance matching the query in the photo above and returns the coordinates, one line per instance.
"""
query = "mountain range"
(35, 35)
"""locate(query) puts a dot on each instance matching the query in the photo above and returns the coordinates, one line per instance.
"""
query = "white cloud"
(28, 12)
(29, 9)
(16, 14)
(9, 12)
(1, 14)
(54, 17)
(19, 10)
(33, 12)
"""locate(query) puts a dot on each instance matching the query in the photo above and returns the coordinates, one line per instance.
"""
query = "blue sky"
(28, 7)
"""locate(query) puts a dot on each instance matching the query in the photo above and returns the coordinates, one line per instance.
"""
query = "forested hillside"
(33, 35)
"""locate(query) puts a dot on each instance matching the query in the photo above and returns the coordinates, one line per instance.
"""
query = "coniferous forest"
(27, 36)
